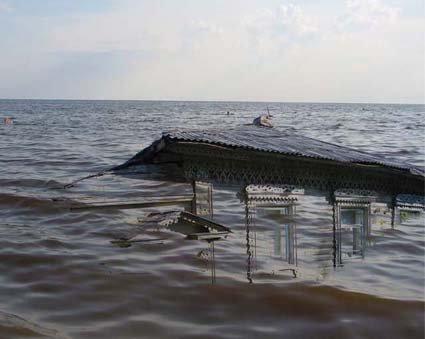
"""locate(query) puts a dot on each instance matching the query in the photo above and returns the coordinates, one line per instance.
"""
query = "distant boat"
(263, 120)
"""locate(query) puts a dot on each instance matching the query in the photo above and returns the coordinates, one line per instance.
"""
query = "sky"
(243, 50)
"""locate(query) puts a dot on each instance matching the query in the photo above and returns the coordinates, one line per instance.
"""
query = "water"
(62, 277)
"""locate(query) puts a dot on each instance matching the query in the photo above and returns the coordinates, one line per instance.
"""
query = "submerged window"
(352, 232)
(284, 241)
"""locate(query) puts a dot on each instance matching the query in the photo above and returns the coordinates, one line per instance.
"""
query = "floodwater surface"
(279, 276)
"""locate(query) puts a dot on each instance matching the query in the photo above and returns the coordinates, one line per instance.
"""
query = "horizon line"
(239, 101)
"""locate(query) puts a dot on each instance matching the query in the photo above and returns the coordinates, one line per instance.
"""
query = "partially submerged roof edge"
(147, 154)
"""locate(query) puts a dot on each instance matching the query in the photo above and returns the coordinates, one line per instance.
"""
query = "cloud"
(293, 18)
(206, 27)
(368, 14)
(271, 32)
(288, 21)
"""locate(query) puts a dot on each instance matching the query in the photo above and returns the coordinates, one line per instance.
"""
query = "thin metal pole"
(211, 201)
(213, 255)
(248, 245)
(393, 204)
(194, 197)
(332, 200)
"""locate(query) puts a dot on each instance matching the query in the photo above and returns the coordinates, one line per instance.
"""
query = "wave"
(13, 326)
(31, 183)
(29, 202)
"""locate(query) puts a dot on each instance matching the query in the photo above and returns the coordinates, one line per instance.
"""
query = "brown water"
(62, 277)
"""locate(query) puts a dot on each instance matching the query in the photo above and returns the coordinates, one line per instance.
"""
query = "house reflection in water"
(351, 224)
(409, 207)
(285, 232)
(343, 239)
(283, 235)
(278, 206)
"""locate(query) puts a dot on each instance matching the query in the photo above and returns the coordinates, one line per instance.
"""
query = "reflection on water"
(352, 226)
(405, 215)
(350, 234)
(277, 205)
(279, 245)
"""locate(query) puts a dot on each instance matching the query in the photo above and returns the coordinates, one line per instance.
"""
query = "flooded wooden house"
(271, 179)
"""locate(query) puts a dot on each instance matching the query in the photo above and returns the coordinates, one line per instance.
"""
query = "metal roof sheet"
(285, 142)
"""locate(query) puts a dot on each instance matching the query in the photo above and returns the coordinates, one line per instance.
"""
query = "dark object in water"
(252, 155)
(124, 243)
(263, 120)
(176, 200)
(294, 272)
(8, 121)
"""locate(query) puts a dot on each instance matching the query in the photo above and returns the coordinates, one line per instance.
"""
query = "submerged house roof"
(250, 143)
(289, 143)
